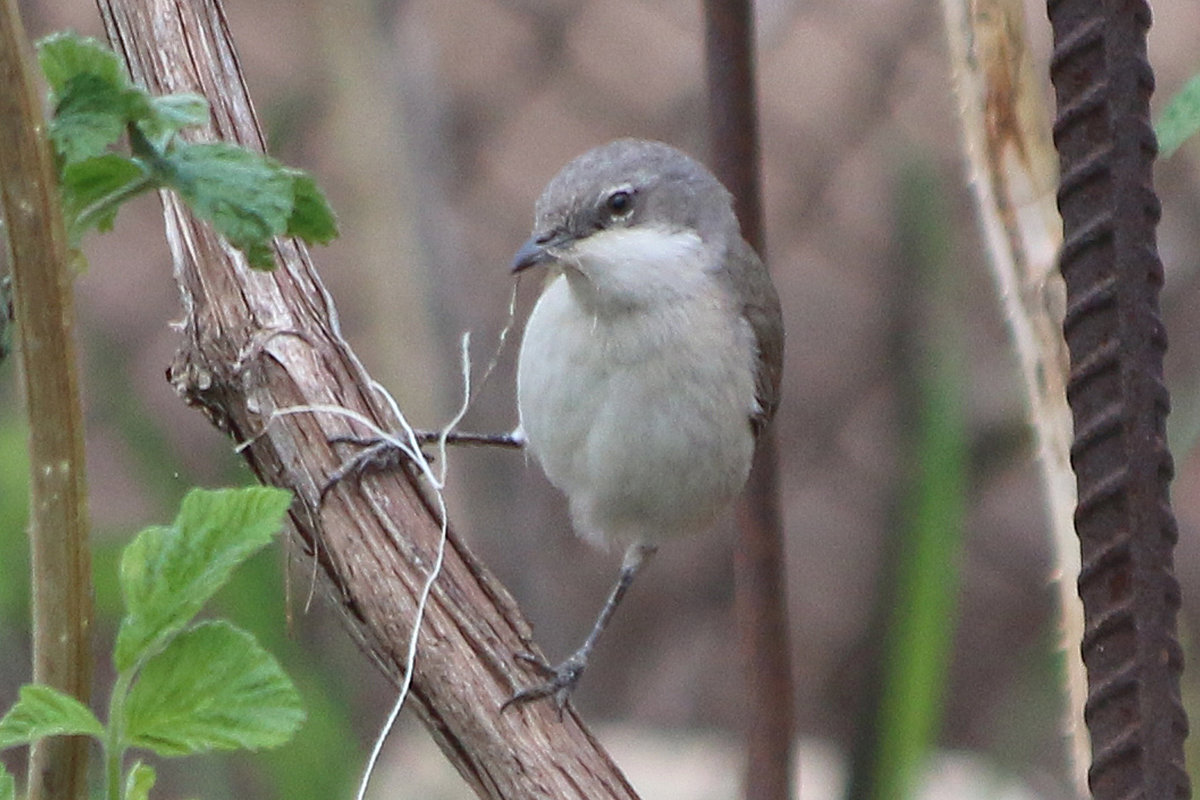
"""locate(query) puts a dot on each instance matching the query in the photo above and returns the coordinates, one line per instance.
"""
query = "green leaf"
(1180, 120)
(90, 115)
(311, 219)
(213, 688)
(139, 781)
(259, 255)
(65, 55)
(94, 189)
(94, 100)
(247, 197)
(167, 115)
(92, 97)
(169, 573)
(44, 711)
(182, 110)
(8, 787)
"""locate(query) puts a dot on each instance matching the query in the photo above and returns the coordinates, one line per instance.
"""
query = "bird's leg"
(561, 680)
(379, 454)
(514, 440)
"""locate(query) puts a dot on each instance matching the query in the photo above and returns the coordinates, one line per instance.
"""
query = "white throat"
(621, 269)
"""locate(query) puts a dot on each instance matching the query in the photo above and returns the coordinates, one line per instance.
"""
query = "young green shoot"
(246, 196)
(183, 687)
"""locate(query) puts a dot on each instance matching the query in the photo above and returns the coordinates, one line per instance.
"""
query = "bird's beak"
(535, 251)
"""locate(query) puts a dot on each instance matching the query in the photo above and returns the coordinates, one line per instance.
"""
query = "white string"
(411, 448)
(439, 483)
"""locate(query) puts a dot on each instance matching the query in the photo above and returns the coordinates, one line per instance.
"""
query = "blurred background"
(433, 125)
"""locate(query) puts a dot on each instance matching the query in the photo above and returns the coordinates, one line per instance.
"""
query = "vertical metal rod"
(1116, 339)
(733, 110)
(759, 564)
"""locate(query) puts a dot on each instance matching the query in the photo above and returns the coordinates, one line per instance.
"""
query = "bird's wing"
(762, 312)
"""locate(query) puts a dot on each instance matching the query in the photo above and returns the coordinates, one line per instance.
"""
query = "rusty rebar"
(759, 560)
(1116, 339)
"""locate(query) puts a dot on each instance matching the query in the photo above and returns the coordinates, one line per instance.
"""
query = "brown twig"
(58, 528)
(759, 560)
(256, 343)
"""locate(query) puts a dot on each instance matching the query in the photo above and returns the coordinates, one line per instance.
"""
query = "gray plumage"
(652, 360)
(675, 189)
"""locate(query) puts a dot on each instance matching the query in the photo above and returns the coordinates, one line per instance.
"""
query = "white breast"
(640, 415)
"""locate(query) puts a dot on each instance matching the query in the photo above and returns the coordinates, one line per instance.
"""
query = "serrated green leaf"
(139, 781)
(44, 711)
(92, 97)
(171, 113)
(65, 55)
(182, 110)
(90, 115)
(312, 219)
(169, 573)
(212, 688)
(246, 196)
(86, 185)
(8, 787)
(1180, 120)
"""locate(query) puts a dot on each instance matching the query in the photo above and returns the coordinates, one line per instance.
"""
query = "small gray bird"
(651, 362)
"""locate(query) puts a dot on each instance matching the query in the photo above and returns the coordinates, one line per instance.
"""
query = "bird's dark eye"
(619, 203)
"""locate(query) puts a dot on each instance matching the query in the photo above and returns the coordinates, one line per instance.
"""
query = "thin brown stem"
(61, 563)
(759, 563)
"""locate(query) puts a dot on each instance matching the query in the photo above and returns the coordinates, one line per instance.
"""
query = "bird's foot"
(560, 681)
(380, 454)
(377, 454)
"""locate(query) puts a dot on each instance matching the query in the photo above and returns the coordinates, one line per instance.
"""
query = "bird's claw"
(560, 682)
(376, 455)
(379, 454)
(537, 662)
